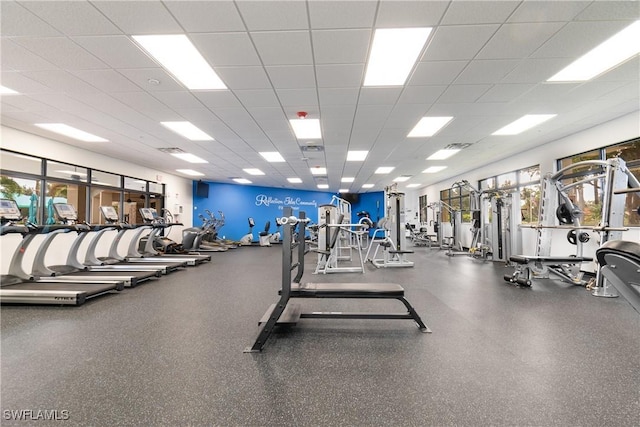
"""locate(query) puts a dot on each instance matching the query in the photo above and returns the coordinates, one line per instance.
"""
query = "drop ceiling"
(486, 64)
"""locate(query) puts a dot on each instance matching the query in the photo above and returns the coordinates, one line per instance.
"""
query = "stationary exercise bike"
(275, 237)
(247, 239)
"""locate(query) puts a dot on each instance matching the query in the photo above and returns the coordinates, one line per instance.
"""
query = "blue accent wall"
(239, 202)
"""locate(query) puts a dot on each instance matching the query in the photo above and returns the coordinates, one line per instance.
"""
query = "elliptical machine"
(247, 239)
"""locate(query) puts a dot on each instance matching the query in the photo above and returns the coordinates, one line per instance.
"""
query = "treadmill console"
(9, 210)
(109, 213)
(148, 214)
(65, 212)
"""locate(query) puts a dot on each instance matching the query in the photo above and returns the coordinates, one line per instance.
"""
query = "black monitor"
(109, 213)
(202, 189)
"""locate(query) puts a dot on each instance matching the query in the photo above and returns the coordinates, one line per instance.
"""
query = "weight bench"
(568, 268)
(620, 265)
(285, 312)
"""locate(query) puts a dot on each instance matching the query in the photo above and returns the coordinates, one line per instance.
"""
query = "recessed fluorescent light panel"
(294, 180)
(6, 91)
(343, 190)
(443, 154)
(318, 171)
(603, 57)
(428, 126)
(367, 186)
(242, 181)
(189, 172)
(394, 51)
(523, 123)
(434, 169)
(306, 128)
(402, 178)
(323, 186)
(252, 171)
(272, 156)
(413, 185)
(188, 157)
(347, 179)
(71, 132)
(356, 156)
(179, 56)
(187, 130)
(384, 170)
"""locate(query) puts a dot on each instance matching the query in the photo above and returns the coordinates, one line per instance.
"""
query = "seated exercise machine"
(247, 239)
(620, 266)
(420, 237)
(19, 287)
(264, 237)
(285, 312)
(615, 177)
(390, 234)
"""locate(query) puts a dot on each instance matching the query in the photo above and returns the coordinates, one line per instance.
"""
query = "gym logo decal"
(295, 202)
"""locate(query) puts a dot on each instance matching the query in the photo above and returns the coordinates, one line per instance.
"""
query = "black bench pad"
(348, 289)
(523, 259)
(400, 252)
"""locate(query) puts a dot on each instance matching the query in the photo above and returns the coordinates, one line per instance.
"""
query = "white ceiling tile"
(283, 47)
(405, 117)
(141, 77)
(421, 94)
(273, 15)
(62, 52)
(22, 84)
(458, 42)
(478, 12)
(547, 92)
(199, 115)
(382, 95)
(518, 40)
(257, 98)
(629, 71)
(60, 81)
(294, 97)
(436, 73)
(463, 93)
(338, 96)
(547, 11)
(107, 80)
(27, 103)
(116, 51)
(272, 115)
(505, 92)
(535, 70)
(205, 16)
(485, 71)
(292, 77)
(340, 76)
(577, 38)
(593, 90)
(72, 17)
(226, 49)
(218, 99)
(396, 14)
(342, 14)
(17, 21)
(244, 77)
(340, 46)
(18, 58)
(178, 100)
(610, 11)
(228, 115)
(136, 17)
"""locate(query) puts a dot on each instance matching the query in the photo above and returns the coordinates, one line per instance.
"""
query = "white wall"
(178, 190)
(618, 130)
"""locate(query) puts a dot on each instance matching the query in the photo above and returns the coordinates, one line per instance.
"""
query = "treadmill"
(150, 216)
(73, 269)
(133, 258)
(17, 287)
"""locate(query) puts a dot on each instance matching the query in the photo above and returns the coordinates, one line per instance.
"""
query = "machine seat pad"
(349, 289)
(619, 247)
(524, 259)
(400, 252)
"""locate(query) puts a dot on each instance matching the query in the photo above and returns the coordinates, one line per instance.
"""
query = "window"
(588, 195)
(26, 193)
(422, 202)
(62, 192)
(527, 182)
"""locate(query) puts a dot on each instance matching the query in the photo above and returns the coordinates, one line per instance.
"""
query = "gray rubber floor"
(170, 353)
